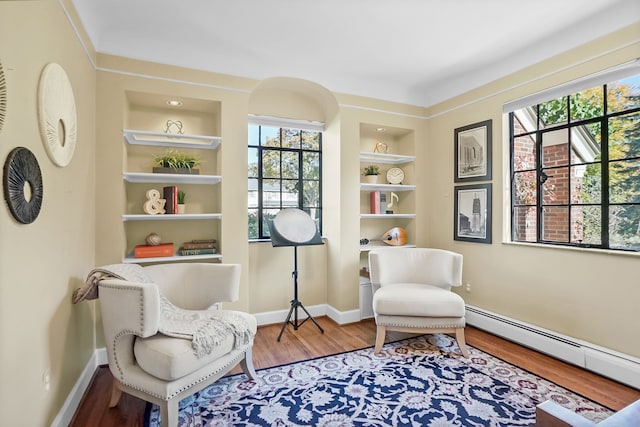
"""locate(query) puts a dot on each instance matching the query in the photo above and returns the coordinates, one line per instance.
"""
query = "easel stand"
(295, 302)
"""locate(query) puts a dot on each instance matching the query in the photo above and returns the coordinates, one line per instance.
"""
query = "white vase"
(371, 179)
(181, 208)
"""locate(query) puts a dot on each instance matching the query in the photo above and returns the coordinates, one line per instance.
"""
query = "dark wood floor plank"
(307, 342)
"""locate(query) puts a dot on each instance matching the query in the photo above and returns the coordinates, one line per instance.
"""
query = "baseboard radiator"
(609, 363)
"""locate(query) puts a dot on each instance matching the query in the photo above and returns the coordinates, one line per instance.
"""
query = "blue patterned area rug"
(421, 381)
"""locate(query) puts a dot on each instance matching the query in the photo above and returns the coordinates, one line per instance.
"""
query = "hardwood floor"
(307, 342)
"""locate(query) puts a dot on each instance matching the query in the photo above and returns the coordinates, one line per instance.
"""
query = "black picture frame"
(473, 152)
(472, 213)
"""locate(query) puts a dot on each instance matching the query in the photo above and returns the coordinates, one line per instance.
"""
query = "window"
(284, 170)
(575, 168)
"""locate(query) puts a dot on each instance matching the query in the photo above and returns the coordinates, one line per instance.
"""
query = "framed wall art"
(472, 213)
(473, 152)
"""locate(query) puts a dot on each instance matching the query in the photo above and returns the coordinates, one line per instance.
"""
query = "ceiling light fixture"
(174, 103)
(380, 129)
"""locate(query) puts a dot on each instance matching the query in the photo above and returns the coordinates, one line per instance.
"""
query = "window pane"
(586, 184)
(253, 224)
(555, 190)
(524, 153)
(624, 227)
(555, 223)
(587, 104)
(586, 223)
(525, 120)
(525, 188)
(311, 165)
(253, 163)
(270, 137)
(311, 193)
(271, 192)
(624, 136)
(268, 214)
(310, 140)
(254, 135)
(553, 112)
(290, 165)
(624, 94)
(555, 148)
(524, 224)
(624, 181)
(586, 143)
(290, 138)
(290, 193)
(270, 163)
(252, 198)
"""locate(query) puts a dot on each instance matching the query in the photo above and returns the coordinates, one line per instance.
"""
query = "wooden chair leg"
(247, 365)
(381, 332)
(461, 342)
(116, 392)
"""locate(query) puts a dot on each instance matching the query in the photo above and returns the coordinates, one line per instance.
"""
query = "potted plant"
(173, 161)
(371, 173)
(181, 197)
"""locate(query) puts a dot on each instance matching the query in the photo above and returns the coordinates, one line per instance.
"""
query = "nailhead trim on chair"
(412, 325)
(233, 361)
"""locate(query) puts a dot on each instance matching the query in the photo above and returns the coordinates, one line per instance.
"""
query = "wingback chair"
(163, 369)
(412, 292)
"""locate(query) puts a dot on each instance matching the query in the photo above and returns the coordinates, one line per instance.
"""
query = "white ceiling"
(418, 52)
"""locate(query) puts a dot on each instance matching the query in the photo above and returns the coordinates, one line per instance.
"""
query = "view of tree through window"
(284, 171)
(575, 169)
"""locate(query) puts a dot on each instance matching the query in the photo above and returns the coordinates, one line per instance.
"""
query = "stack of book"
(153, 251)
(198, 247)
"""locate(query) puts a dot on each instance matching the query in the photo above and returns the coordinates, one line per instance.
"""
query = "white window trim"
(286, 123)
(619, 72)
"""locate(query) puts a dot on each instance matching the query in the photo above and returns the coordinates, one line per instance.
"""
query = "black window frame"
(539, 170)
(263, 231)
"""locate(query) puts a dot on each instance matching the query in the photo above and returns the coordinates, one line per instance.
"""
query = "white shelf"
(385, 158)
(177, 178)
(159, 139)
(381, 216)
(386, 187)
(133, 260)
(370, 246)
(170, 217)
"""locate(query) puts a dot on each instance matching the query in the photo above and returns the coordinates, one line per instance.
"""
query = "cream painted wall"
(588, 295)
(41, 263)
(576, 293)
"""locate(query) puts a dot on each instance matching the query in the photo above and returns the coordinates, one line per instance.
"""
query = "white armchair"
(164, 369)
(412, 292)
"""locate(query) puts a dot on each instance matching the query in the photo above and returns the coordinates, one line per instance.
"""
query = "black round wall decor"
(22, 182)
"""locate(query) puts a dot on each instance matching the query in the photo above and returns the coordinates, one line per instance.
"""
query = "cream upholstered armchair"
(412, 292)
(153, 327)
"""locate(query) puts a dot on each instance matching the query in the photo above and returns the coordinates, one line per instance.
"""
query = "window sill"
(573, 248)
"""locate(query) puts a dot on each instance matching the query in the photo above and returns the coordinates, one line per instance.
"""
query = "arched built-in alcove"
(271, 284)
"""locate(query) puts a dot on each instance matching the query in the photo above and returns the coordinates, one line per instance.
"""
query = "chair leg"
(461, 342)
(116, 392)
(169, 413)
(247, 364)
(381, 332)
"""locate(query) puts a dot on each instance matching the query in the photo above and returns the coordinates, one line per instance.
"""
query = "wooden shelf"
(384, 216)
(158, 139)
(386, 187)
(170, 217)
(370, 246)
(133, 260)
(177, 178)
(384, 158)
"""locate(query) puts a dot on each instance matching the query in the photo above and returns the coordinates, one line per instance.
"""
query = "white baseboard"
(70, 405)
(608, 363)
